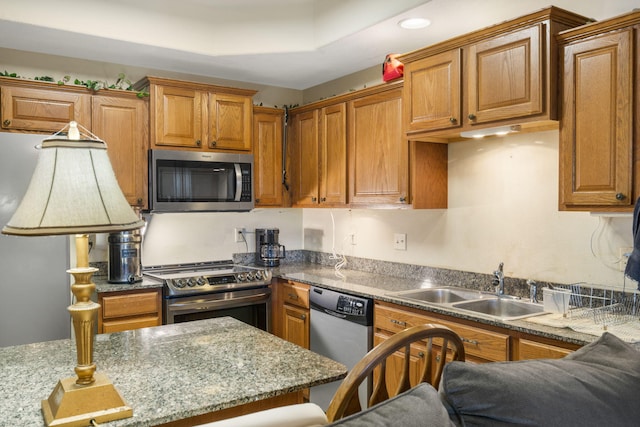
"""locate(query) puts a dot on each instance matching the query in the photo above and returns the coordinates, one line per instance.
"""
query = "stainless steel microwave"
(181, 181)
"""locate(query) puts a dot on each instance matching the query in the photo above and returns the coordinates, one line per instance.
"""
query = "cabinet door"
(178, 117)
(333, 159)
(229, 122)
(124, 125)
(296, 325)
(432, 93)
(596, 137)
(267, 132)
(306, 159)
(378, 152)
(505, 77)
(29, 109)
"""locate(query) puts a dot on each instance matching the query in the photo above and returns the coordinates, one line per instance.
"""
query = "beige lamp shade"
(73, 190)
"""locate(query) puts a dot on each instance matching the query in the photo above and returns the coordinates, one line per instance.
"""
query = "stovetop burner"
(207, 277)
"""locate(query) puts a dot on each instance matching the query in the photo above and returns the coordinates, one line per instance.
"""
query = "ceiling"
(295, 44)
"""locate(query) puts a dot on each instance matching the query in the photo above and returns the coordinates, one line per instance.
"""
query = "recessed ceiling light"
(414, 23)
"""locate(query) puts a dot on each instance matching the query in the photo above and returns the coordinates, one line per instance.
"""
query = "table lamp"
(74, 190)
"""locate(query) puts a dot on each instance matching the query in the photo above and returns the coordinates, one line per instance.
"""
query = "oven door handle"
(209, 304)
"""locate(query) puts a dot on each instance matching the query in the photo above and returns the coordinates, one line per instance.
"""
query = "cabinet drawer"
(130, 305)
(295, 294)
(478, 342)
(129, 324)
(528, 349)
(396, 320)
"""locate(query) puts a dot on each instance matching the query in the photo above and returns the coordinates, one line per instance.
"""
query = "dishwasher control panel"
(350, 305)
(345, 306)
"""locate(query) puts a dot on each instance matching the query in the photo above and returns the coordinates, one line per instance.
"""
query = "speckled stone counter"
(384, 283)
(167, 373)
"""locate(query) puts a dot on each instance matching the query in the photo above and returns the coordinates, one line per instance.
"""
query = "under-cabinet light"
(497, 131)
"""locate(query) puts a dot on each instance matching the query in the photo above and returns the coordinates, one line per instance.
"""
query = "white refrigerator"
(34, 285)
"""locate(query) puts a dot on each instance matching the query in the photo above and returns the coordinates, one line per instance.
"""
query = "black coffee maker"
(269, 251)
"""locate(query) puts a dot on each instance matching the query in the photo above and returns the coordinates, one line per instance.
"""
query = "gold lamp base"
(74, 405)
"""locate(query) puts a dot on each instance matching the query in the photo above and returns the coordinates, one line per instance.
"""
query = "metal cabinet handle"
(472, 116)
(398, 322)
(620, 196)
(303, 316)
(293, 296)
(452, 119)
(421, 354)
(474, 342)
(314, 199)
(139, 200)
(257, 200)
(198, 142)
(403, 199)
(7, 122)
(213, 144)
(323, 199)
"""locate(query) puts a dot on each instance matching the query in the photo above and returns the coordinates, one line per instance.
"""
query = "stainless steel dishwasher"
(340, 329)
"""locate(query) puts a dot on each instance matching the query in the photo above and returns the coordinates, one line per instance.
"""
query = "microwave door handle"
(238, 181)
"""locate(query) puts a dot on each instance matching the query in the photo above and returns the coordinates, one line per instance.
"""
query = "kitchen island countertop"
(167, 373)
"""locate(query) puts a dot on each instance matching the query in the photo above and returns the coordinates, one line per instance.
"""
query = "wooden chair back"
(447, 347)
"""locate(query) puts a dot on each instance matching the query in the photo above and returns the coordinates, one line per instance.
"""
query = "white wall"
(503, 206)
(209, 236)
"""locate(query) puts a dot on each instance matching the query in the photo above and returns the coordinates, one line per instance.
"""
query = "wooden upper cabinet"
(123, 123)
(267, 133)
(378, 151)
(433, 92)
(333, 155)
(198, 116)
(502, 75)
(178, 117)
(320, 151)
(42, 110)
(597, 134)
(505, 76)
(229, 122)
(306, 159)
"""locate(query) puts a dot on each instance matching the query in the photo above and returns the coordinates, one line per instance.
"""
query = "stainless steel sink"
(444, 295)
(505, 309)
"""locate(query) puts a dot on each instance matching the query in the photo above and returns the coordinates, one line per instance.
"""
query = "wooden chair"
(448, 346)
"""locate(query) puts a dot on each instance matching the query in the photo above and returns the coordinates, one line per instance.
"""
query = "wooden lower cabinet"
(130, 309)
(291, 312)
(481, 345)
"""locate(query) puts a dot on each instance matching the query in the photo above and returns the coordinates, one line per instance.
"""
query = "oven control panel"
(206, 282)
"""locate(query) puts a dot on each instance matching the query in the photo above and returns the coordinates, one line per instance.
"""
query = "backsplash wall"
(503, 207)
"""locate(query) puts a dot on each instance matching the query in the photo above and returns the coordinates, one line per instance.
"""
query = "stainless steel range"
(214, 289)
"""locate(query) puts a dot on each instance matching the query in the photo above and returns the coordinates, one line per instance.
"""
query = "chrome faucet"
(498, 279)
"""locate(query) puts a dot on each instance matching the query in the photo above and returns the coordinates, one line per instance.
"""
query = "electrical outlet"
(238, 234)
(400, 241)
(353, 238)
(624, 257)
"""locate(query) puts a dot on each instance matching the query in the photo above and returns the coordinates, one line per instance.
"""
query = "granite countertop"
(168, 372)
(381, 280)
(382, 286)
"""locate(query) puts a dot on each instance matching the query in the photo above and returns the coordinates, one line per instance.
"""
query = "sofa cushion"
(416, 407)
(598, 384)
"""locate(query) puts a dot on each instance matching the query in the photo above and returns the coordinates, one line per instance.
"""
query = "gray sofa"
(598, 385)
